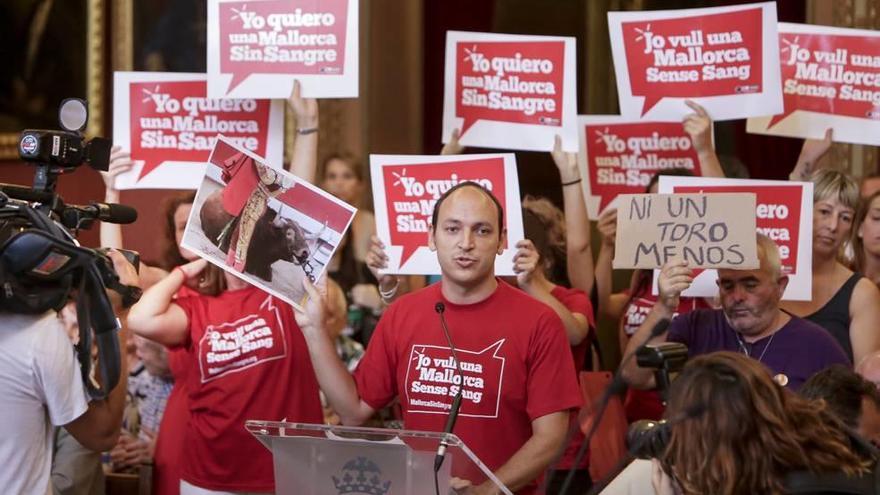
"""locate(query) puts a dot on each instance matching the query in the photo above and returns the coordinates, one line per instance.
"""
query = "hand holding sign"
(675, 278)
(652, 229)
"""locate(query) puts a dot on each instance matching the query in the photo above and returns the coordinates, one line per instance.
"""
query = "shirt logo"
(432, 380)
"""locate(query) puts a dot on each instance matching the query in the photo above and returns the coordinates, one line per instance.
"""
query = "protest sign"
(406, 187)
(257, 49)
(170, 127)
(724, 58)
(263, 224)
(698, 228)
(620, 156)
(783, 212)
(830, 79)
(510, 91)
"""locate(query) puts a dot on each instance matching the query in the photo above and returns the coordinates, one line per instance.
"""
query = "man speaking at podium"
(514, 367)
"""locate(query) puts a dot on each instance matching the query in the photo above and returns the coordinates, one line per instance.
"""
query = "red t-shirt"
(514, 356)
(576, 301)
(646, 404)
(248, 361)
(169, 441)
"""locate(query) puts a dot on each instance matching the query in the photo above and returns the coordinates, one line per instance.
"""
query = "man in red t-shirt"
(519, 380)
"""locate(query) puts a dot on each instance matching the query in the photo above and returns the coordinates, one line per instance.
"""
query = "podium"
(312, 459)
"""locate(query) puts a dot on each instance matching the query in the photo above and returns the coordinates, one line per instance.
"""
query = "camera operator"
(749, 321)
(40, 383)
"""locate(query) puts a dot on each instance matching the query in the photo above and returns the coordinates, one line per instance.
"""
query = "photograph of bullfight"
(263, 224)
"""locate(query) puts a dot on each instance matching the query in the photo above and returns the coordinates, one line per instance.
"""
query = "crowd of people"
(774, 388)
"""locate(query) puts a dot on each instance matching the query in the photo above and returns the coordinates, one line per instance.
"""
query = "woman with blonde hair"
(844, 303)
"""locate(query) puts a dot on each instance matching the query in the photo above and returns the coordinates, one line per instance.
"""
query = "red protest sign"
(778, 215)
(406, 188)
(167, 118)
(411, 191)
(519, 89)
(698, 53)
(621, 156)
(509, 82)
(834, 74)
(276, 40)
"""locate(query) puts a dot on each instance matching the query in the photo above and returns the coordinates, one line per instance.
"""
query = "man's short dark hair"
(458, 186)
(843, 390)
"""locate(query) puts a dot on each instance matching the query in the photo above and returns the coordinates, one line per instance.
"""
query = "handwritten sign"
(830, 78)
(725, 58)
(257, 49)
(508, 91)
(406, 188)
(698, 228)
(783, 212)
(170, 127)
(620, 156)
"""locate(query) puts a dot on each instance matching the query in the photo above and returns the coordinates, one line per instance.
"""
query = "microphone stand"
(615, 387)
(440, 308)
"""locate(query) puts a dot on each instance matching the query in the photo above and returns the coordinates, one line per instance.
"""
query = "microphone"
(110, 212)
(440, 308)
(75, 216)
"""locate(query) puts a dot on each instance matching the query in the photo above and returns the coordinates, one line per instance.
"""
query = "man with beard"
(749, 322)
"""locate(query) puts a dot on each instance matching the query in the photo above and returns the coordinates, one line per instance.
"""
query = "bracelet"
(306, 131)
(182, 272)
(571, 183)
(388, 294)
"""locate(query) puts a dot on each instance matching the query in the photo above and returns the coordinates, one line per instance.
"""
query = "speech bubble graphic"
(696, 56)
(777, 212)
(174, 121)
(412, 190)
(282, 37)
(623, 157)
(831, 74)
(432, 380)
(507, 81)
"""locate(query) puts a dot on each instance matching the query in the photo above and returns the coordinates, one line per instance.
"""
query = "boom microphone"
(440, 308)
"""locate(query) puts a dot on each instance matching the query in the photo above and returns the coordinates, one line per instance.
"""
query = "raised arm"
(699, 126)
(674, 278)
(156, 316)
(304, 161)
(611, 305)
(579, 252)
(531, 279)
(811, 152)
(334, 379)
(120, 162)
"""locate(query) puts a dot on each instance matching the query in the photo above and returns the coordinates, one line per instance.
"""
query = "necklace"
(746, 351)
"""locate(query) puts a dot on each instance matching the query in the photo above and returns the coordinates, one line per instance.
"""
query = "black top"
(834, 315)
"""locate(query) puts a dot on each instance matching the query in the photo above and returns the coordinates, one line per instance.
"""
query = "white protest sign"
(257, 48)
(724, 58)
(167, 123)
(510, 91)
(784, 213)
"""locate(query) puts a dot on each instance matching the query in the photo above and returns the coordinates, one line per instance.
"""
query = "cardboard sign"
(263, 224)
(698, 228)
(406, 187)
(508, 91)
(257, 49)
(783, 212)
(620, 156)
(724, 58)
(830, 78)
(170, 127)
